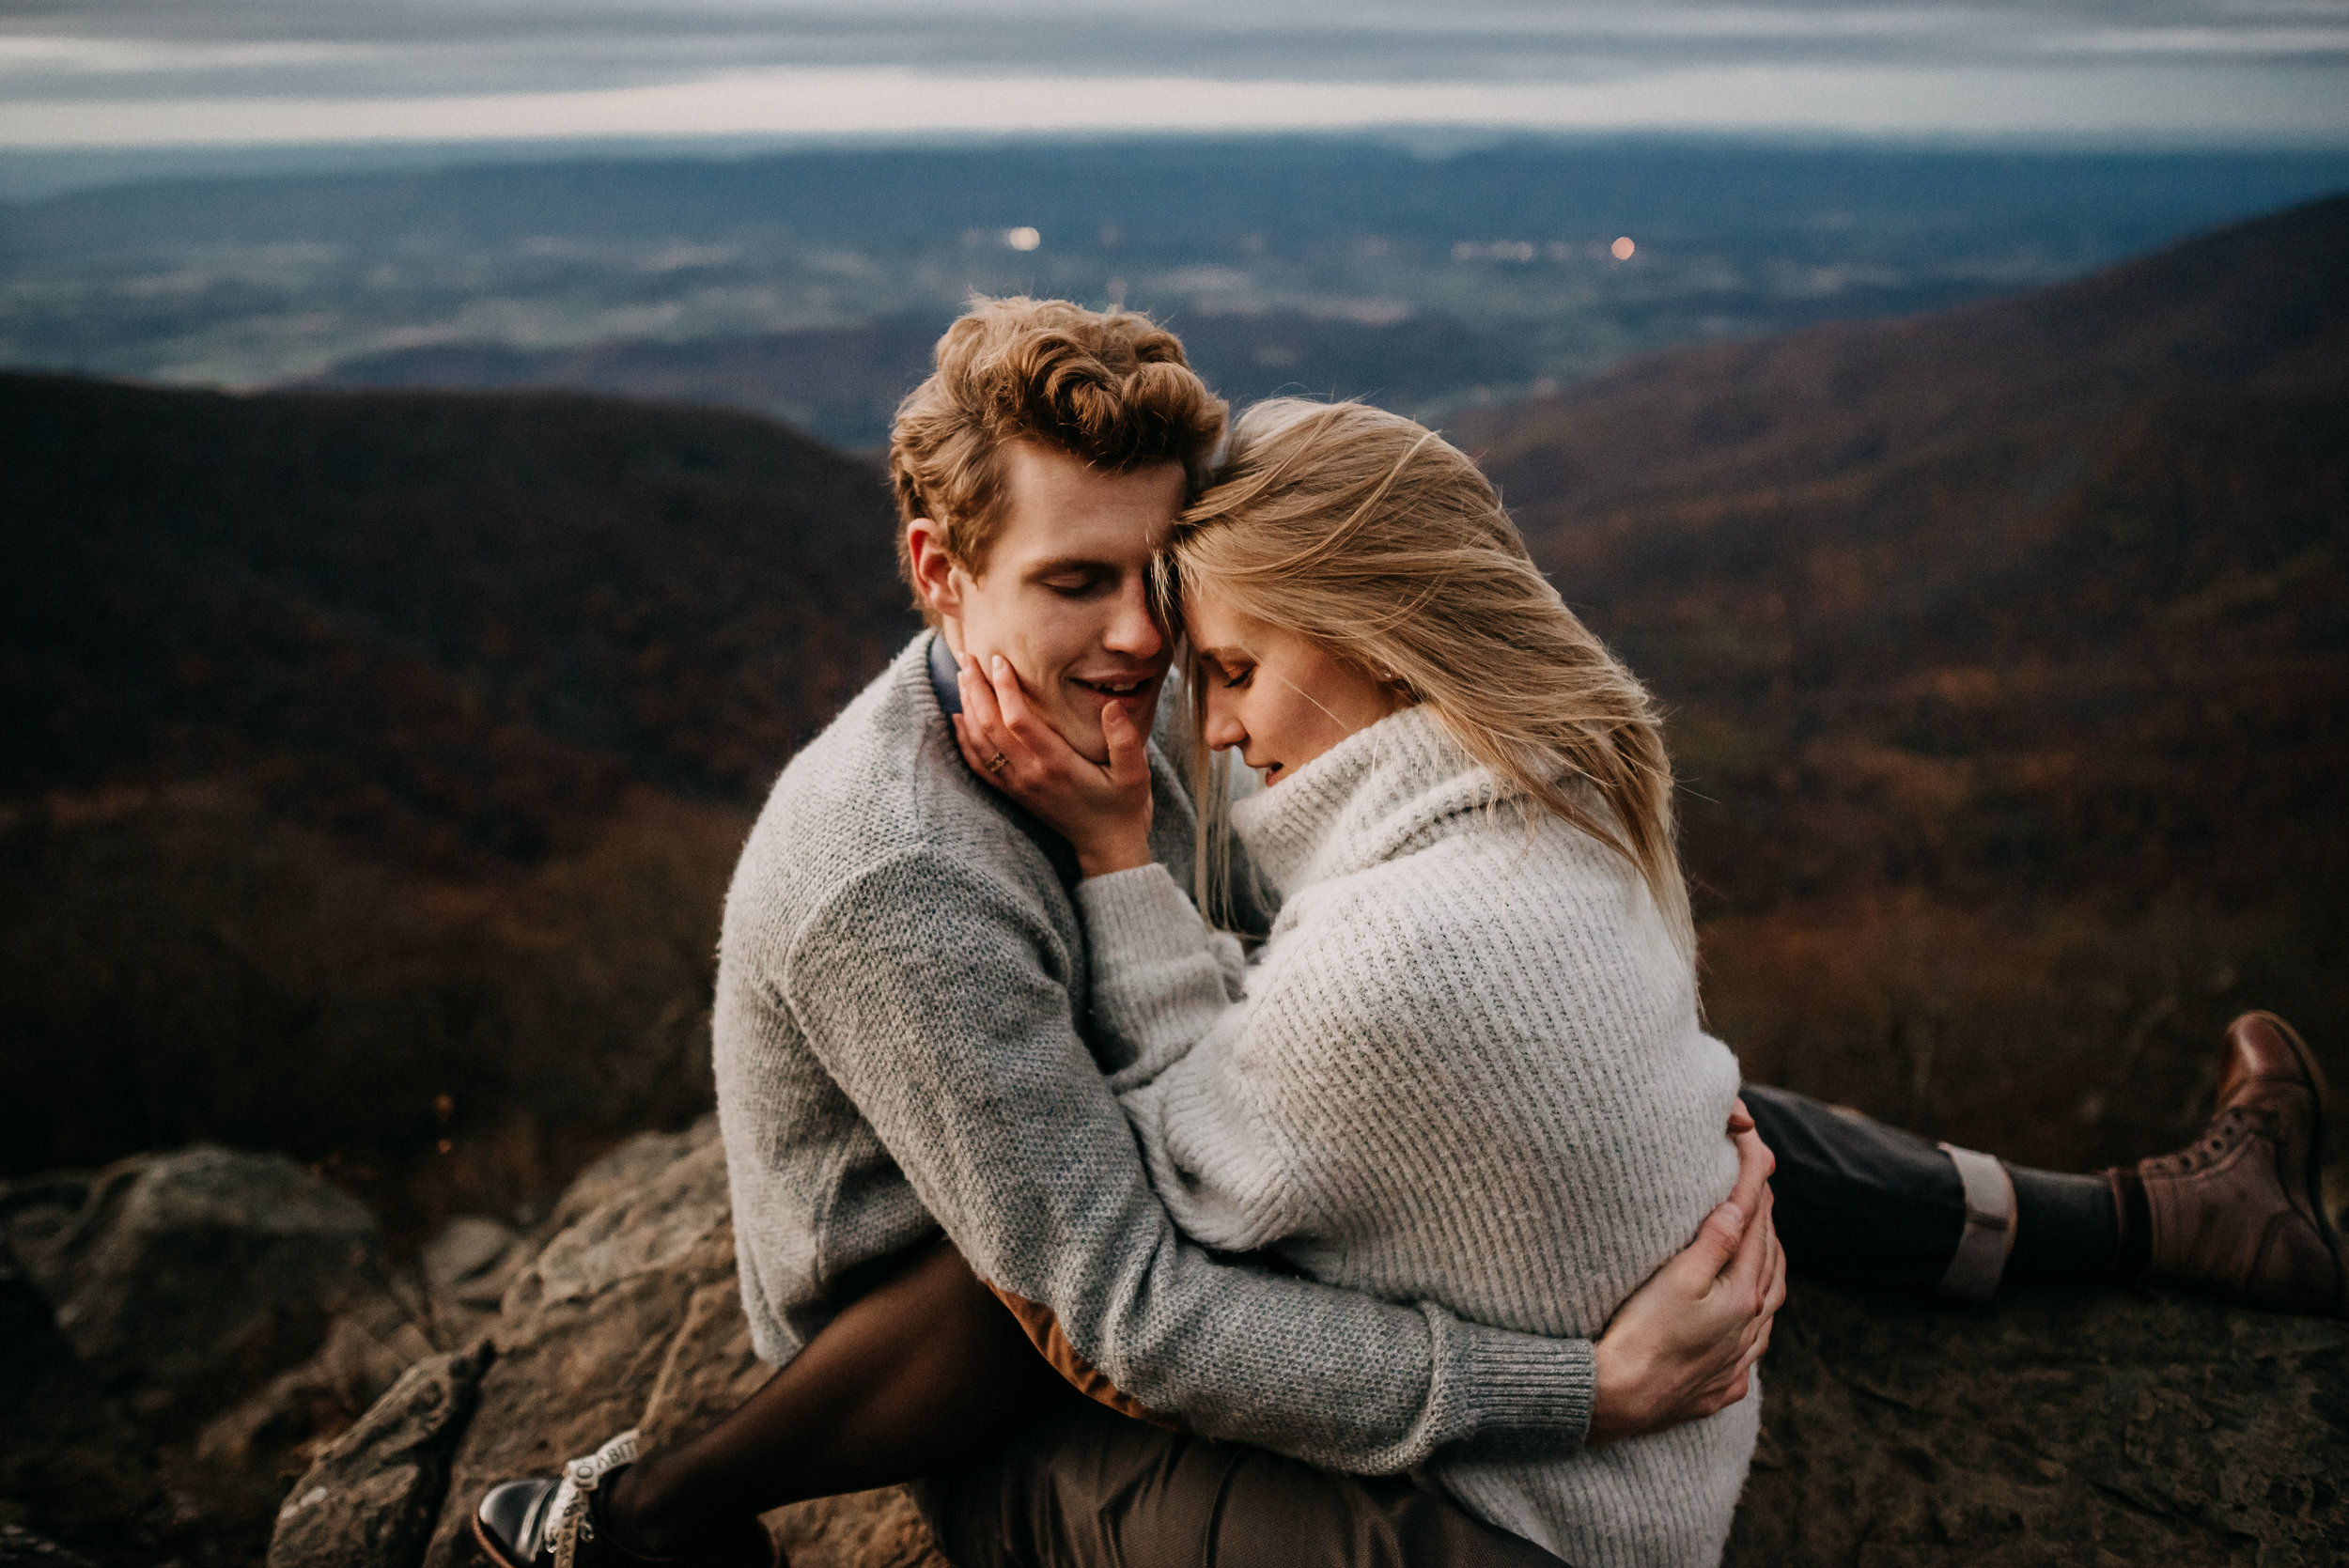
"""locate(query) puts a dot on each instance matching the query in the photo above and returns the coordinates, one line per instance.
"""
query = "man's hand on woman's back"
(1684, 1346)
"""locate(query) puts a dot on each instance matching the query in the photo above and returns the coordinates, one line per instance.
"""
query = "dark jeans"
(1858, 1200)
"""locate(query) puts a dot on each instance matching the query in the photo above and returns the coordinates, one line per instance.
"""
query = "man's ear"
(933, 567)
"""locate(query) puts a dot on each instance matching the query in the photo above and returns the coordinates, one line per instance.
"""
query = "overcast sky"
(189, 72)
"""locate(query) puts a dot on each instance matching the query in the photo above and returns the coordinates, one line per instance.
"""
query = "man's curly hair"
(1111, 390)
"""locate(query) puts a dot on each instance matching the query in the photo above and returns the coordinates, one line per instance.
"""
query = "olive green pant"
(1085, 1487)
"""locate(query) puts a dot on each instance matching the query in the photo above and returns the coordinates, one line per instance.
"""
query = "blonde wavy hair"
(1377, 540)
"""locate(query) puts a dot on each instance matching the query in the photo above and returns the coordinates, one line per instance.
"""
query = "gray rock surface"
(2099, 1427)
(467, 1267)
(375, 1491)
(184, 1278)
(2064, 1427)
(69, 1459)
(180, 1326)
(22, 1548)
(369, 1343)
(630, 1315)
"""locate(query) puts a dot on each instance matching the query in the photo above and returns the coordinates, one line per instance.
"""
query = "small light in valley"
(1622, 248)
(1022, 238)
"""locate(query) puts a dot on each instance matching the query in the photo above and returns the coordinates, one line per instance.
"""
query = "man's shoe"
(2241, 1214)
(559, 1522)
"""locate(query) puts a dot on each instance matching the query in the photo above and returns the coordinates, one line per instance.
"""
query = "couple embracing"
(1315, 1161)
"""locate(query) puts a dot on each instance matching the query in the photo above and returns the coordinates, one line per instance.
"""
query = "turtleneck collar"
(1365, 799)
(945, 674)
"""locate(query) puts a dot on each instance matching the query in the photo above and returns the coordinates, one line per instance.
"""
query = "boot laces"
(2227, 1131)
(568, 1525)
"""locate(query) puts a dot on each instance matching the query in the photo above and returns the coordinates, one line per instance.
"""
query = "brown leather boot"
(2241, 1213)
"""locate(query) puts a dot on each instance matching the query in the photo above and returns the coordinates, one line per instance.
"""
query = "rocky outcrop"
(22, 1548)
(374, 1495)
(2062, 1427)
(468, 1266)
(180, 1326)
(69, 1459)
(182, 1278)
(217, 1315)
(628, 1317)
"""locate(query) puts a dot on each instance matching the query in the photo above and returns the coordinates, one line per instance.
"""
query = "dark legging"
(927, 1375)
(925, 1370)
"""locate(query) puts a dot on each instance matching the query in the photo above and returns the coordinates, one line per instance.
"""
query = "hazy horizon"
(253, 74)
(31, 173)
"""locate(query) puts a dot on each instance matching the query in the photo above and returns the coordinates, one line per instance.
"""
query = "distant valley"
(804, 285)
(844, 382)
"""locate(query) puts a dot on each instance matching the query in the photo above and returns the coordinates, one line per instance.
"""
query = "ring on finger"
(997, 763)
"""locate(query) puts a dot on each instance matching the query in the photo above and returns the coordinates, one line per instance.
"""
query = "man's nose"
(1133, 631)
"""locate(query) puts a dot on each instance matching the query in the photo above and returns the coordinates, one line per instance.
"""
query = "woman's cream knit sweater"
(1466, 1069)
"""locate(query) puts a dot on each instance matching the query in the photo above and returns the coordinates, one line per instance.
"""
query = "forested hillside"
(2010, 654)
(377, 762)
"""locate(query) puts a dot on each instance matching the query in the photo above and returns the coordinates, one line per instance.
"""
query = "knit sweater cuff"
(1158, 977)
(1139, 915)
(1533, 1395)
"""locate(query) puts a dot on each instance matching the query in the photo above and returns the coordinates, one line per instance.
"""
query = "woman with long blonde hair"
(1467, 1066)
(1374, 539)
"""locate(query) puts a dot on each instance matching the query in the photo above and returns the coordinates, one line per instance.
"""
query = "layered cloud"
(98, 72)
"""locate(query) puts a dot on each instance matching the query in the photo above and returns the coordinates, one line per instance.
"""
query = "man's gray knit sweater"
(1466, 1069)
(897, 1052)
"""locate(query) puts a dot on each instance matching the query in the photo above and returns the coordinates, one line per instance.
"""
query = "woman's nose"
(1223, 728)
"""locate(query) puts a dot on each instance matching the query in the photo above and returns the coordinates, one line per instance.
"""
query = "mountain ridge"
(2225, 285)
(384, 758)
(2007, 650)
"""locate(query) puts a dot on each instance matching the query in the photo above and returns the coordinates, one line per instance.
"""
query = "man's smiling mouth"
(1114, 688)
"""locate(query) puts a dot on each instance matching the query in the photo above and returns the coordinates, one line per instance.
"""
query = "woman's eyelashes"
(1236, 678)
